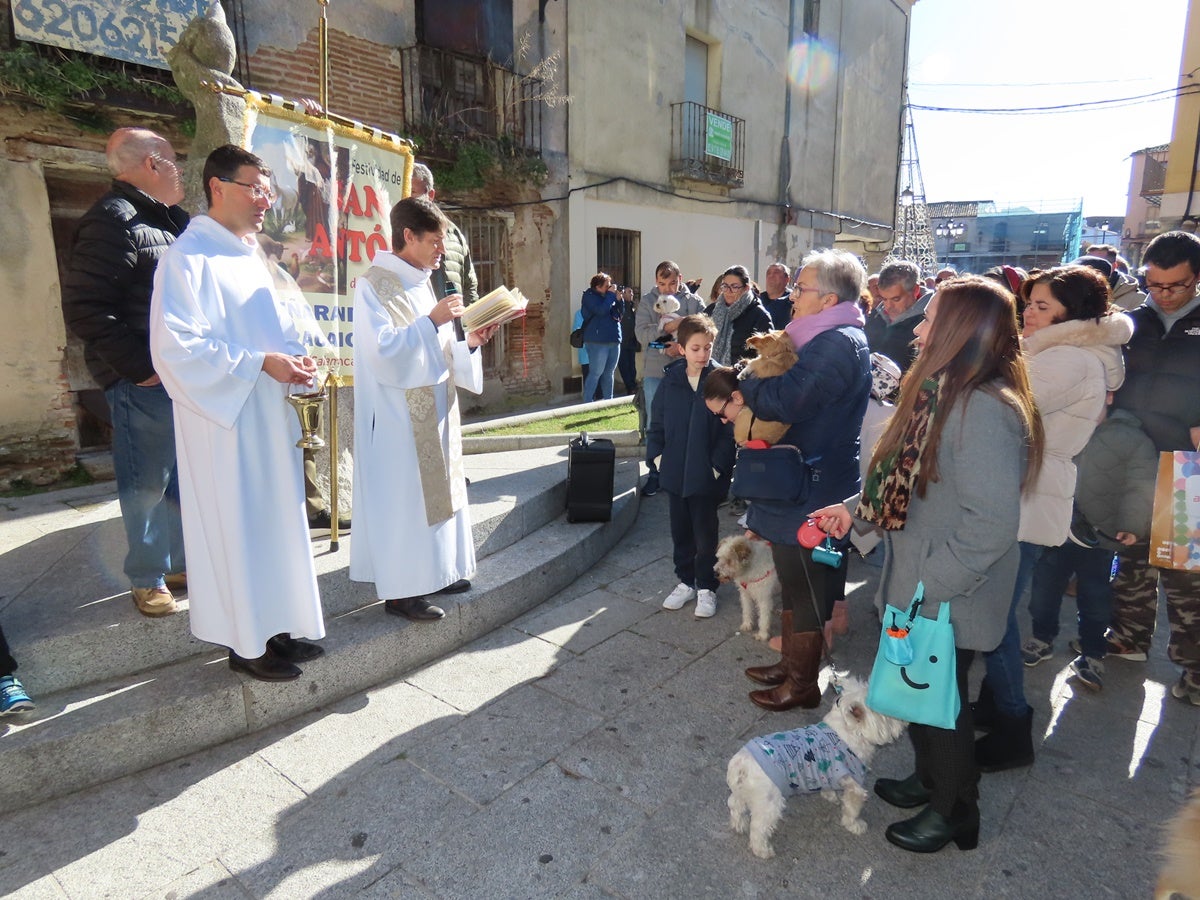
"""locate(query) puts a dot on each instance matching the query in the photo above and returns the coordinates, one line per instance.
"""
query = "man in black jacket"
(106, 301)
(1162, 389)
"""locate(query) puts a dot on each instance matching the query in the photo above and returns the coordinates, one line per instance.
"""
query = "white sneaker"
(706, 605)
(678, 597)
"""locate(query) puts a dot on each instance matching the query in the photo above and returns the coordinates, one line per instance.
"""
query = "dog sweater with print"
(807, 759)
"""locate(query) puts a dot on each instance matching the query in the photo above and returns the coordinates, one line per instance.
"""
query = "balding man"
(106, 302)
(777, 296)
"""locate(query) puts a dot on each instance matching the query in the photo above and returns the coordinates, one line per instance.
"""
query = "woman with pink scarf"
(822, 397)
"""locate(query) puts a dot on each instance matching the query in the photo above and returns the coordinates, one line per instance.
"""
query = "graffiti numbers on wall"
(138, 31)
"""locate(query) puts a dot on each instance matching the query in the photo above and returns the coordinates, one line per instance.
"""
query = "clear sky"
(1022, 53)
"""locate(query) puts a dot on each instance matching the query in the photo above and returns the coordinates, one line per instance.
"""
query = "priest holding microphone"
(412, 527)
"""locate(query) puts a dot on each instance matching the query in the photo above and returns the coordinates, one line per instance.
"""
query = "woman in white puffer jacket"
(1072, 338)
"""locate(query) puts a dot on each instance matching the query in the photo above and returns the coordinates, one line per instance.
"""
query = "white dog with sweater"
(831, 756)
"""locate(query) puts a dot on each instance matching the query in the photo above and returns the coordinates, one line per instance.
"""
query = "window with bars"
(619, 253)
(491, 253)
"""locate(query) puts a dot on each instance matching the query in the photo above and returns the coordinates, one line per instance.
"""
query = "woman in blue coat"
(602, 312)
(823, 396)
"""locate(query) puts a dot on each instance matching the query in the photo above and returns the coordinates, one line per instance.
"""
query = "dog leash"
(826, 650)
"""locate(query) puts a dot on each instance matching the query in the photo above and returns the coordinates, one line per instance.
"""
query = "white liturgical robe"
(394, 544)
(213, 318)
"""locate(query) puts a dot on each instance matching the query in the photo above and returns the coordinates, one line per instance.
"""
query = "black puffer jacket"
(754, 319)
(106, 291)
(1162, 377)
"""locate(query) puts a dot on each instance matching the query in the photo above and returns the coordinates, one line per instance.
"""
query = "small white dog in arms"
(749, 565)
(831, 756)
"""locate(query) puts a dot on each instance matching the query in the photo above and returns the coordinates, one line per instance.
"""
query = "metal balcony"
(707, 145)
(451, 96)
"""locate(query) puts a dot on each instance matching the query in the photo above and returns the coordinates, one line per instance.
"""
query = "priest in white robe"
(227, 351)
(412, 534)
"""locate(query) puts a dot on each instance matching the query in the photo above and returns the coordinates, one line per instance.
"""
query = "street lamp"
(906, 203)
(952, 230)
(1104, 232)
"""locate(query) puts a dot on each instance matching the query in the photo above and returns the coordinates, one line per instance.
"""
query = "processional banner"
(335, 183)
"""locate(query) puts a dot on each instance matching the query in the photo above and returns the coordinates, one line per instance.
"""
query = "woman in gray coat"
(944, 487)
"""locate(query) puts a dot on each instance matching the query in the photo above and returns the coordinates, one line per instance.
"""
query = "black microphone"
(451, 289)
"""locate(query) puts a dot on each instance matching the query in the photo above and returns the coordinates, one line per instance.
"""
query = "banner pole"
(323, 53)
(331, 384)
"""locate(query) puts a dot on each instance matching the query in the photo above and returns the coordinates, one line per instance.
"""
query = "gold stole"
(443, 482)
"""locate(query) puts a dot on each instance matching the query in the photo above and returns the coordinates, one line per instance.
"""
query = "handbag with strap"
(577, 334)
(915, 677)
(772, 473)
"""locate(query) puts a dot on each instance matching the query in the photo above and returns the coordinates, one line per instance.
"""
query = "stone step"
(90, 733)
(70, 612)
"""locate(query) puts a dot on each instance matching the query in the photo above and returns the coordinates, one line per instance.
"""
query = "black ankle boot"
(929, 831)
(905, 793)
(983, 710)
(1008, 746)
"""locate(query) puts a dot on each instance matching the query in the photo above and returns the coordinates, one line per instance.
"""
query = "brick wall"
(364, 77)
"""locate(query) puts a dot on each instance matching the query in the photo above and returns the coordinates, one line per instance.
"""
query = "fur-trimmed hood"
(1104, 337)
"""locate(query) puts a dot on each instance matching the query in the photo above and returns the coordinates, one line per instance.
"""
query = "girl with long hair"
(944, 487)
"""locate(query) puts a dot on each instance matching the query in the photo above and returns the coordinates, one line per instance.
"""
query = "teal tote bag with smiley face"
(913, 678)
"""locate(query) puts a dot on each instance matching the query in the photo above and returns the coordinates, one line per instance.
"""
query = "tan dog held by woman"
(831, 756)
(749, 565)
(776, 355)
(1181, 867)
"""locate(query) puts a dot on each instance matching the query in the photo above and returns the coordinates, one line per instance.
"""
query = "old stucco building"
(711, 132)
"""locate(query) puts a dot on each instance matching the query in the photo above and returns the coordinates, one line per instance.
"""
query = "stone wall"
(37, 425)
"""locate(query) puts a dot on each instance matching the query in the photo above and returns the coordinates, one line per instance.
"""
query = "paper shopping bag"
(1175, 525)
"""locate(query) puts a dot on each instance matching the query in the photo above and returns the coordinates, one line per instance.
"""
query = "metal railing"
(700, 137)
(1154, 174)
(451, 95)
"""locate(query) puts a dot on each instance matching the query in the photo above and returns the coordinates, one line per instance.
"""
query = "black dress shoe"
(929, 831)
(416, 608)
(323, 520)
(905, 793)
(291, 650)
(267, 667)
(457, 588)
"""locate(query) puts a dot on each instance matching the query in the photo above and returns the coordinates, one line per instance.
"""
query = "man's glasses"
(257, 191)
(1175, 287)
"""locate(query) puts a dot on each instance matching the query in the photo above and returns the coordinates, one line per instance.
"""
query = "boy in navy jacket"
(694, 453)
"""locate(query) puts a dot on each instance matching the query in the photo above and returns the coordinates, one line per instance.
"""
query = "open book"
(495, 308)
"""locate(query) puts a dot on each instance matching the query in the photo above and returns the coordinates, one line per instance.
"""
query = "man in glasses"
(106, 303)
(1162, 388)
(229, 352)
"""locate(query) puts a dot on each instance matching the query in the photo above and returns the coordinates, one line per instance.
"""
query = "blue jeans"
(649, 389)
(602, 361)
(1005, 671)
(1092, 567)
(143, 451)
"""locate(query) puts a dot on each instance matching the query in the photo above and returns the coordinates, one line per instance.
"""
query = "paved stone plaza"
(579, 752)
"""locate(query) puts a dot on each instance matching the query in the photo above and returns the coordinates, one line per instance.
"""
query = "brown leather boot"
(802, 658)
(773, 675)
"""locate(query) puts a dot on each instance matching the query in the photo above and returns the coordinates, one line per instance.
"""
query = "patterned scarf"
(723, 317)
(891, 482)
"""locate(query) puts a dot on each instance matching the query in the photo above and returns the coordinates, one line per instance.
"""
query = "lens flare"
(810, 65)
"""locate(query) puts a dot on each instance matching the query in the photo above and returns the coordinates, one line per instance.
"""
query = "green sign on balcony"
(718, 137)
